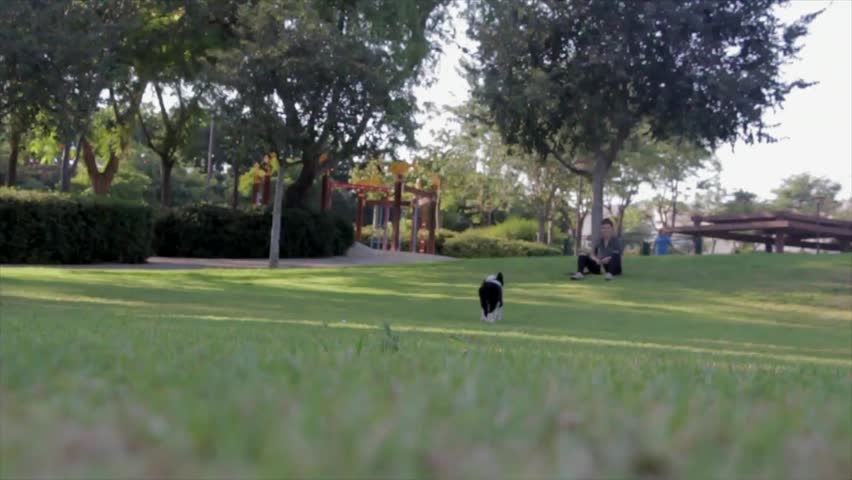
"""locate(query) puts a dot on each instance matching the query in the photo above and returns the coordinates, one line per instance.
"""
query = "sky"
(814, 125)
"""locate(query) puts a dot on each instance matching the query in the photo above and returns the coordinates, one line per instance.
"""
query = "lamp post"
(819, 200)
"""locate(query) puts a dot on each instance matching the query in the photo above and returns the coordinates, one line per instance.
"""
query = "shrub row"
(50, 228)
(513, 228)
(476, 243)
(217, 232)
(471, 245)
(441, 237)
(47, 228)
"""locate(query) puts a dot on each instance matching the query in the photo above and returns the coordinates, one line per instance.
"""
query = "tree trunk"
(598, 177)
(578, 232)
(674, 205)
(210, 154)
(101, 181)
(297, 192)
(621, 210)
(166, 166)
(72, 170)
(438, 211)
(275, 235)
(545, 226)
(65, 168)
(14, 148)
(235, 195)
(578, 240)
(541, 235)
(550, 233)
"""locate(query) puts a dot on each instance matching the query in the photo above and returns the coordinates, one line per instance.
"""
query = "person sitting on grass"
(606, 255)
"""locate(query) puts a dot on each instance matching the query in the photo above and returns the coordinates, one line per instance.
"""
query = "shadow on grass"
(506, 332)
(540, 299)
(517, 335)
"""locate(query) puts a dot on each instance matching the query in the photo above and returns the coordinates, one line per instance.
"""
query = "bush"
(477, 246)
(455, 221)
(441, 237)
(217, 232)
(53, 228)
(512, 229)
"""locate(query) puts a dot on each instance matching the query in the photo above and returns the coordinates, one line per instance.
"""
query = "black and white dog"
(491, 298)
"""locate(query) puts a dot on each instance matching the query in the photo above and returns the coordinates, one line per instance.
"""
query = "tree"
(70, 59)
(132, 183)
(573, 207)
(639, 159)
(545, 182)
(844, 211)
(243, 137)
(709, 193)
(742, 201)
(98, 71)
(29, 56)
(332, 77)
(574, 79)
(673, 166)
(805, 193)
(107, 139)
(275, 233)
(477, 169)
(167, 130)
(180, 36)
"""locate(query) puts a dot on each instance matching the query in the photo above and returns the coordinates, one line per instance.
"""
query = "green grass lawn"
(687, 367)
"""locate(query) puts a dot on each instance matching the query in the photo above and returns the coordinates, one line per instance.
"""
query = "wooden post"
(325, 199)
(385, 217)
(359, 216)
(779, 242)
(423, 223)
(697, 240)
(396, 212)
(437, 207)
(267, 176)
(433, 214)
(255, 189)
(415, 223)
(374, 241)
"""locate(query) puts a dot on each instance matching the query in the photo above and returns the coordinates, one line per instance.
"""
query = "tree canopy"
(331, 77)
(573, 79)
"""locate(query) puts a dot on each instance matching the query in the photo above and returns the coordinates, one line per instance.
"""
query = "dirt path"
(357, 255)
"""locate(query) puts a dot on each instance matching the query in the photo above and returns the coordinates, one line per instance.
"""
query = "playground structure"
(261, 182)
(775, 230)
(389, 207)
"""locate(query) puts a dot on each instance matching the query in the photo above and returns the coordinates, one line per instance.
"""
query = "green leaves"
(330, 76)
(805, 193)
(582, 71)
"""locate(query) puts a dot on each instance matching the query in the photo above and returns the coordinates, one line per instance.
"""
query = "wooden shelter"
(773, 229)
(427, 200)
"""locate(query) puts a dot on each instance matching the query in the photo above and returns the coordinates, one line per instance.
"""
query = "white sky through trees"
(815, 125)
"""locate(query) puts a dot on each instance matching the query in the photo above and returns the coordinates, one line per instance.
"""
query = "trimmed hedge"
(513, 228)
(49, 228)
(475, 243)
(217, 232)
(477, 246)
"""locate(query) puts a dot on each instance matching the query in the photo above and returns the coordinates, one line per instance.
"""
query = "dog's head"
(496, 278)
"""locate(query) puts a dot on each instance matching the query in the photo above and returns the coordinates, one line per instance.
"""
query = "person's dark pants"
(585, 263)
